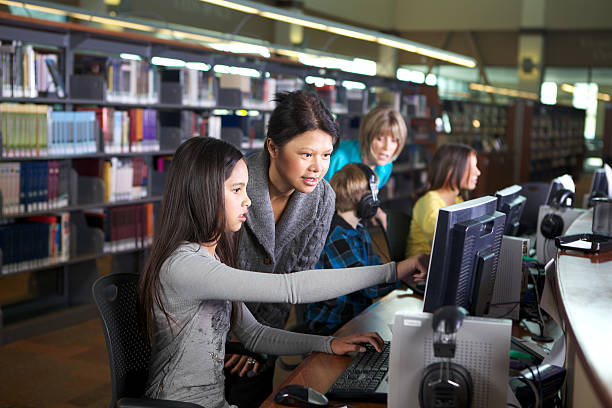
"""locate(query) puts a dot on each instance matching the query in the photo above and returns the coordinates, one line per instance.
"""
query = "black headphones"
(446, 384)
(369, 203)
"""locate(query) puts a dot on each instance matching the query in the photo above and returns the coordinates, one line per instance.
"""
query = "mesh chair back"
(128, 350)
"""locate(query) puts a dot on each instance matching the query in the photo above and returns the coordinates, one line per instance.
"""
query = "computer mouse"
(295, 395)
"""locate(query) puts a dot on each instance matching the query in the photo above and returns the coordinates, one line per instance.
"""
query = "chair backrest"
(535, 193)
(398, 228)
(128, 350)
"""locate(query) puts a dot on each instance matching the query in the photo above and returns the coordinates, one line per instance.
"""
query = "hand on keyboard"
(356, 342)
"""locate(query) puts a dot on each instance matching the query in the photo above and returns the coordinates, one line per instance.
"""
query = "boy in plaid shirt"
(348, 245)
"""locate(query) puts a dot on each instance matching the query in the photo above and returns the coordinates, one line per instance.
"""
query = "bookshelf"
(111, 119)
(552, 141)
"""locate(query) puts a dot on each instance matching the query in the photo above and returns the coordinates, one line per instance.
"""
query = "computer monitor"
(511, 202)
(599, 186)
(561, 192)
(464, 256)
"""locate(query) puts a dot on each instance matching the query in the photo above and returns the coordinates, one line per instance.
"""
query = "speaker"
(368, 204)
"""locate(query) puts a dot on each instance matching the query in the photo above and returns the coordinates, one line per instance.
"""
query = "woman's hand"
(346, 344)
(240, 364)
(413, 269)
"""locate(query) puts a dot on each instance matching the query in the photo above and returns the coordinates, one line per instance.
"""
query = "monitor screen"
(511, 202)
(561, 192)
(464, 256)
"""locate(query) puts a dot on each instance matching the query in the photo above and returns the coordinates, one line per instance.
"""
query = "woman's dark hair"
(192, 210)
(298, 112)
(448, 165)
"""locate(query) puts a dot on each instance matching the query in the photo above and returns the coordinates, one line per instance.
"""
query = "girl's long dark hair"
(192, 210)
(448, 165)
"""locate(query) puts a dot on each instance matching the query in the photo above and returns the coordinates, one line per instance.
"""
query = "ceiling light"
(167, 62)
(199, 66)
(242, 48)
(351, 33)
(132, 57)
(293, 20)
(232, 5)
(503, 91)
(225, 69)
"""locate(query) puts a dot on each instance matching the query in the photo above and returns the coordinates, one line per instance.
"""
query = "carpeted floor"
(66, 368)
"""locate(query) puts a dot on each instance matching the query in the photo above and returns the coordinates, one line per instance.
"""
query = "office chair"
(115, 296)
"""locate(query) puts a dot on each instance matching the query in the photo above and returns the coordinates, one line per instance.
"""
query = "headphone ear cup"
(367, 207)
(436, 392)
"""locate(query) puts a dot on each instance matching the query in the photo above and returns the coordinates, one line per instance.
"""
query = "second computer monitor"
(464, 256)
(511, 202)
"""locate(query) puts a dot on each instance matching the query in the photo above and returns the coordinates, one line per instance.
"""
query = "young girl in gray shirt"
(191, 294)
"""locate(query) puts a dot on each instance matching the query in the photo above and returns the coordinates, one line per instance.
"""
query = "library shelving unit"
(552, 141)
(487, 128)
(87, 137)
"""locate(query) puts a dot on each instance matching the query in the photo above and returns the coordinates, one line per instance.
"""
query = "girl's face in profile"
(383, 147)
(237, 201)
(304, 160)
(470, 176)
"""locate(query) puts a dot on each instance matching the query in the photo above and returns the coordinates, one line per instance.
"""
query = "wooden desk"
(584, 289)
(319, 370)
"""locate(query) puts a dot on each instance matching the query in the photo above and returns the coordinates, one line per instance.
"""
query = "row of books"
(199, 87)
(256, 93)
(125, 179)
(35, 241)
(130, 81)
(34, 186)
(26, 73)
(125, 227)
(30, 130)
(134, 130)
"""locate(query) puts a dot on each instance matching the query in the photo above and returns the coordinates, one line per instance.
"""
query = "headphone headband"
(369, 204)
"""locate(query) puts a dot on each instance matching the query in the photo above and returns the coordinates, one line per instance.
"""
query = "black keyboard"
(363, 376)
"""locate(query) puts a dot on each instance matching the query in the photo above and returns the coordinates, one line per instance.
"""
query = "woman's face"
(303, 161)
(470, 176)
(237, 201)
(383, 147)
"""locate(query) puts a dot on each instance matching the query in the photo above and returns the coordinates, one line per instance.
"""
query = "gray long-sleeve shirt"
(293, 244)
(197, 290)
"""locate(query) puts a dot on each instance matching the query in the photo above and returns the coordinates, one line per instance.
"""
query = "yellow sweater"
(423, 224)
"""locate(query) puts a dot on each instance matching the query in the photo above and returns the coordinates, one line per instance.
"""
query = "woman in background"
(452, 174)
(382, 134)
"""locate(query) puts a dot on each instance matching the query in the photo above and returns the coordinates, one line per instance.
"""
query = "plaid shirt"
(345, 247)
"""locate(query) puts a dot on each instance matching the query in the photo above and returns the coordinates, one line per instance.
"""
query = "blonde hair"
(380, 120)
(350, 184)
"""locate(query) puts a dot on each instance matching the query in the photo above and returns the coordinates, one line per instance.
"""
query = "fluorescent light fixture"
(293, 20)
(404, 74)
(242, 48)
(132, 57)
(356, 65)
(600, 95)
(431, 79)
(185, 35)
(595, 162)
(603, 97)
(198, 66)
(221, 112)
(233, 5)
(548, 93)
(226, 69)
(291, 17)
(568, 88)
(503, 91)
(167, 62)
(112, 21)
(319, 81)
(353, 85)
(254, 113)
(351, 33)
(241, 112)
